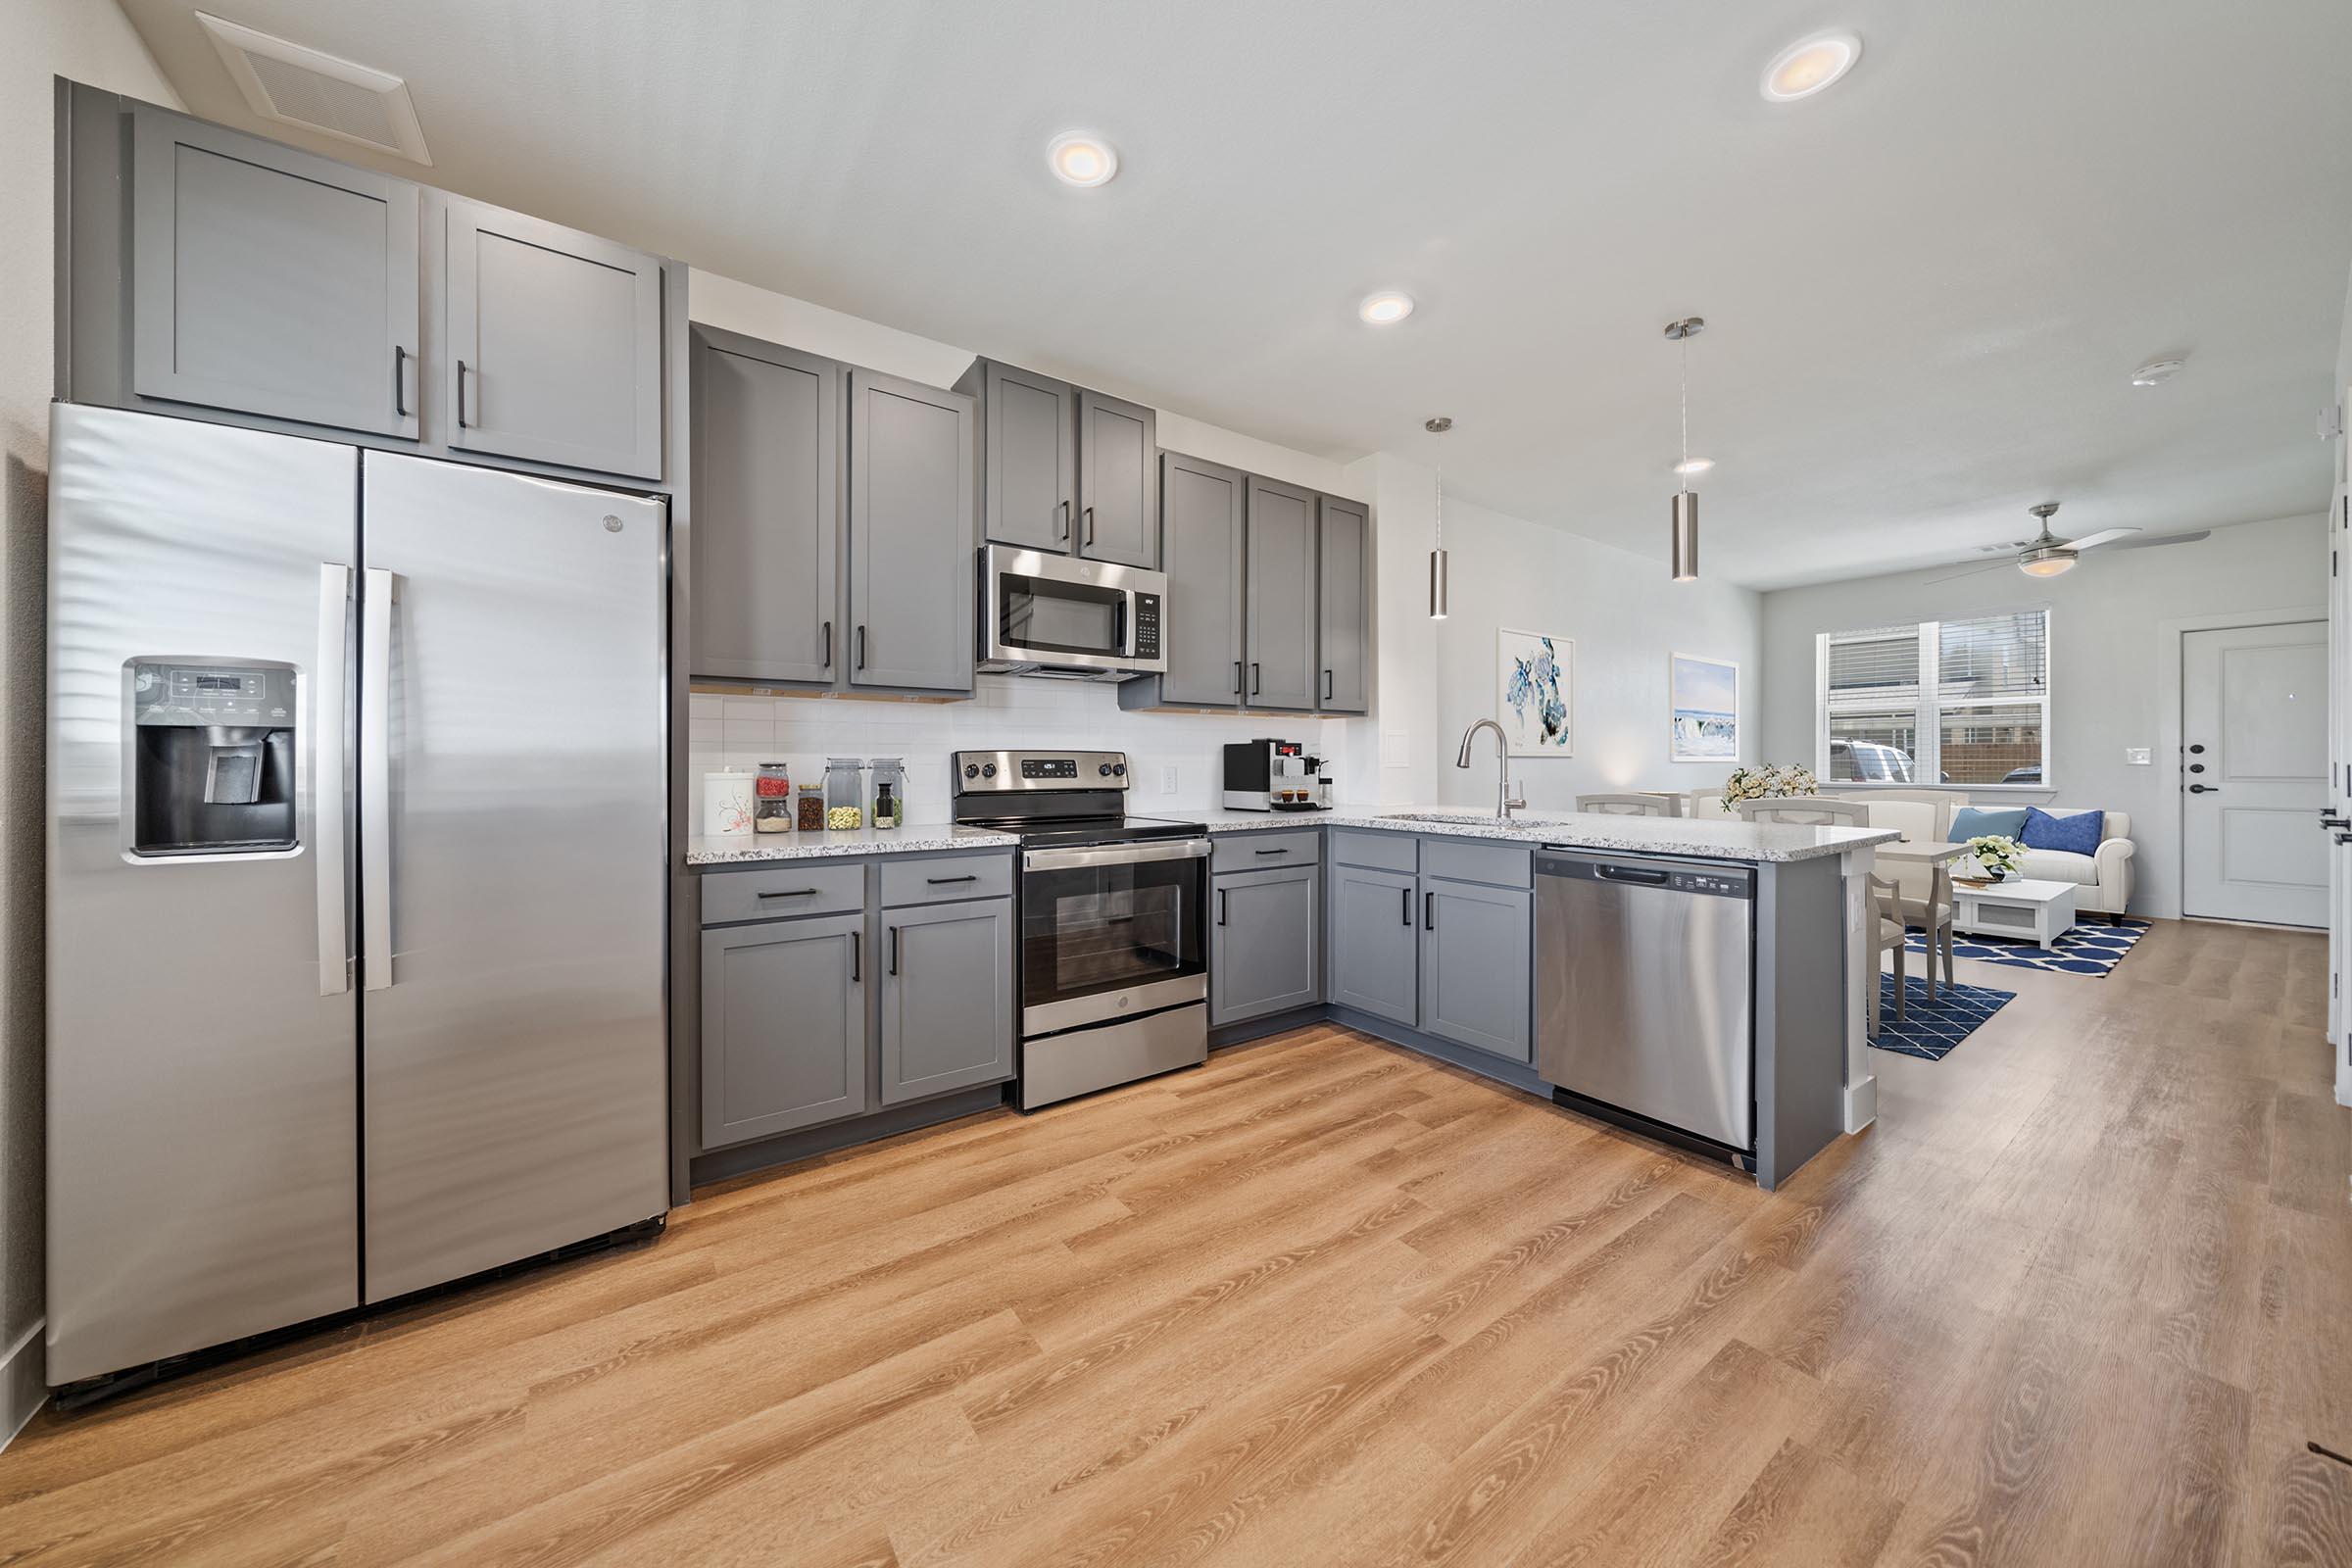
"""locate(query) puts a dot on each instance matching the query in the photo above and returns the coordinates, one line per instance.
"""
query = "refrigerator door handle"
(375, 775)
(332, 680)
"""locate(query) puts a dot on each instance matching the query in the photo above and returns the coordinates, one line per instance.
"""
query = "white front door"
(2254, 774)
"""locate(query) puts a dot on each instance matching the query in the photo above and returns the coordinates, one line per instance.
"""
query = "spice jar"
(889, 790)
(845, 794)
(811, 801)
(771, 794)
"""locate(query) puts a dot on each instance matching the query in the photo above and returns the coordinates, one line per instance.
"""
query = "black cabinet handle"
(893, 949)
(1257, 679)
(1327, 688)
(400, 389)
(1220, 906)
(789, 893)
(1063, 507)
(1090, 525)
(461, 394)
(2328, 819)
(828, 664)
(1273, 851)
(1429, 911)
(1237, 677)
(944, 881)
(861, 647)
(857, 952)
(1406, 899)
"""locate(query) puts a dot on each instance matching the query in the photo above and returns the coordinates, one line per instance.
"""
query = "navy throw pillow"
(2001, 822)
(2078, 834)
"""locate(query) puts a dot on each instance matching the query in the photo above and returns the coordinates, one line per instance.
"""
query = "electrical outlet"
(2136, 756)
(1167, 779)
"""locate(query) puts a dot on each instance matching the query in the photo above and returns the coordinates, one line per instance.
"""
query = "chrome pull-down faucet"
(1505, 803)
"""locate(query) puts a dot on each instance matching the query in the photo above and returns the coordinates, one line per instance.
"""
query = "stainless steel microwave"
(1044, 614)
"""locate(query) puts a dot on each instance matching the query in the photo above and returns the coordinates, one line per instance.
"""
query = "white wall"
(1625, 616)
(2108, 657)
(88, 41)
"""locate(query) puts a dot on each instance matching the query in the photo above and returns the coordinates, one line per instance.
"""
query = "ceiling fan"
(2046, 556)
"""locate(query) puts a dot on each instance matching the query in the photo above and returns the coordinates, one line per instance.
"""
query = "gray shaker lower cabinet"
(1477, 968)
(784, 1030)
(910, 529)
(1375, 926)
(946, 998)
(1264, 949)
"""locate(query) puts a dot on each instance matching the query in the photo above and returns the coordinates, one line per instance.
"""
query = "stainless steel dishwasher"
(1645, 969)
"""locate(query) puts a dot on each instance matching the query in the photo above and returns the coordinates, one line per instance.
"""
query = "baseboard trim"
(23, 1387)
(1861, 1104)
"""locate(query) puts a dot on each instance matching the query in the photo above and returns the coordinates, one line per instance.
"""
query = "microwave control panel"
(1146, 625)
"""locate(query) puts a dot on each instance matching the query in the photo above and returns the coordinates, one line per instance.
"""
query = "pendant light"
(1686, 499)
(1436, 555)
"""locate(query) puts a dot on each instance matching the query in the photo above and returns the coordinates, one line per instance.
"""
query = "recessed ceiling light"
(1804, 69)
(2156, 372)
(1694, 465)
(1078, 159)
(1387, 308)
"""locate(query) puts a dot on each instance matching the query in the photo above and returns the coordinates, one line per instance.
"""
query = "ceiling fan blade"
(2104, 536)
(2166, 539)
(1973, 571)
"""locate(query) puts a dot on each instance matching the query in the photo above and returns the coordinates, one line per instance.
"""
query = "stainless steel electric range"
(1114, 917)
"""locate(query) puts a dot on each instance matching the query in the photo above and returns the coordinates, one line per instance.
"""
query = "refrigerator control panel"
(252, 696)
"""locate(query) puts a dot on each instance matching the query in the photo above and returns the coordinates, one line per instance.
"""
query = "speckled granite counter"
(1707, 838)
(749, 849)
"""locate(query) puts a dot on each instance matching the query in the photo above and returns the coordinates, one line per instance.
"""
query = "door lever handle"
(2328, 819)
(2204, 789)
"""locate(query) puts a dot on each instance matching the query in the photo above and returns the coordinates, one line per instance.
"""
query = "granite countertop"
(750, 848)
(1702, 837)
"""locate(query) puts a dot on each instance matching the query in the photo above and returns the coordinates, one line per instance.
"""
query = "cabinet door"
(947, 998)
(767, 509)
(910, 535)
(1375, 927)
(1475, 967)
(1032, 483)
(1201, 540)
(1344, 602)
(555, 344)
(1264, 953)
(1281, 596)
(271, 281)
(1118, 491)
(783, 1026)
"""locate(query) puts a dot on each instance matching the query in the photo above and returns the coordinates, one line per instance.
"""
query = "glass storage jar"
(845, 794)
(889, 790)
(810, 800)
(771, 795)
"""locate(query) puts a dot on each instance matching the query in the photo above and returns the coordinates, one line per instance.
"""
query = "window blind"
(1876, 669)
(1994, 659)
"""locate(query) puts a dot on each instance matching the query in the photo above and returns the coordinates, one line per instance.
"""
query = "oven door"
(1113, 931)
(1057, 613)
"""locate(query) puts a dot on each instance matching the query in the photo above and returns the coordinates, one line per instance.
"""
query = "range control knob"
(1105, 770)
(1119, 768)
(971, 770)
(990, 770)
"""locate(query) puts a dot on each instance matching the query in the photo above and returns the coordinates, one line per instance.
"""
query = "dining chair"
(1631, 803)
(1806, 810)
(1888, 934)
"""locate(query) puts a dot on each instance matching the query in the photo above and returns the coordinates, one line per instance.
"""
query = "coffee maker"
(1271, 775)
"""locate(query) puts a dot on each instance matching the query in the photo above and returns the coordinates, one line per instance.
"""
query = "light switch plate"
(1167, 779)
(2136, 756)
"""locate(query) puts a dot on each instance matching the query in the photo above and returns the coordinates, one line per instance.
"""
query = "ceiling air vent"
(286, 81)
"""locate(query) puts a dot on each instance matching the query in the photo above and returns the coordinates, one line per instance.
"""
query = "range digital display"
(1049, 767)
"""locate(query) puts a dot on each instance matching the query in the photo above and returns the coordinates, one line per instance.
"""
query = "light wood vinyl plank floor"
(2083, 1296)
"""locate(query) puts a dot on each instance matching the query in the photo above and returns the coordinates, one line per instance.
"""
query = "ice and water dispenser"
(211, 758)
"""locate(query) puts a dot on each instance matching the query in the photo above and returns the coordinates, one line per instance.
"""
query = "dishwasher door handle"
(1642, 875)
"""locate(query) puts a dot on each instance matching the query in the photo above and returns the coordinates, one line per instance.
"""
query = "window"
(1937, 702)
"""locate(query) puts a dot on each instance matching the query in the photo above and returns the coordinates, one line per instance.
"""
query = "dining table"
(1938, 857)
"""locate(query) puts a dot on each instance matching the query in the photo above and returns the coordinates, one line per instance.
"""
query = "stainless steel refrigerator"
(357, 840)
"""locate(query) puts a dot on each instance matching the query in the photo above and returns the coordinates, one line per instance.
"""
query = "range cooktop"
(1054, 797)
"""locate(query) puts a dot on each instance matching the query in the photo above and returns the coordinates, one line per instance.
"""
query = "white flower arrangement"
(1999, 856)
(1768, 783)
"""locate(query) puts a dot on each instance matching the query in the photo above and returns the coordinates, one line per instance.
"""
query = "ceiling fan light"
(2046, 562)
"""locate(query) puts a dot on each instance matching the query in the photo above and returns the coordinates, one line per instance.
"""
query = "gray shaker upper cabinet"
(270, 281)
(1281, 593)
(1030, 468)
(768, 510)
(1202, 541)
(553, 344)
(1344, 630)
(910, 530)
(1119, 489)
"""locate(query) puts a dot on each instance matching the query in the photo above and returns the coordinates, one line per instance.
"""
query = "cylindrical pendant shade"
(1437, 585)
(1685, 536)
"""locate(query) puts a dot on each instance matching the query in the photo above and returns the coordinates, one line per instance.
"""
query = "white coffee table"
(2041, 910)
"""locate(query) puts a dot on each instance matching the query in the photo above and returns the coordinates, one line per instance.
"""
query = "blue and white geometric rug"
(2090, 948)
(1931, 1029)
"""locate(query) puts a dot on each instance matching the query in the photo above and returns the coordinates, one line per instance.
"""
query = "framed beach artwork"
(1703, 699)
(1533, 680)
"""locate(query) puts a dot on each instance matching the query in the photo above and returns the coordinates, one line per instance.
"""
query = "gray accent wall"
(2109, 653)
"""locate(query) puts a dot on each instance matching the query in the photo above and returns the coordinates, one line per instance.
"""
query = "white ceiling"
(1926, 289)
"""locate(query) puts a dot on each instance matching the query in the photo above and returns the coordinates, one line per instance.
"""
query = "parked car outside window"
(1868, 762)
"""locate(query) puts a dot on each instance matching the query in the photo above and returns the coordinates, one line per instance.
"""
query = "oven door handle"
(1079, 858)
